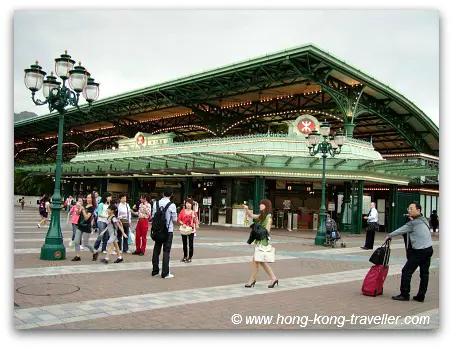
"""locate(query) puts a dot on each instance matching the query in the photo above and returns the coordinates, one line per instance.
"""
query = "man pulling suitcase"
(419, 253)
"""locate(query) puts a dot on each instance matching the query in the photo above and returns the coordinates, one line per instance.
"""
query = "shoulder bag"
(264, 254)
(125, 221)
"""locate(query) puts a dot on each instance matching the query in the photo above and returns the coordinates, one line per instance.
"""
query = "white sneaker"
(39, 226)
(104, 252)
(82, 248)
(71, 243)
(113, 253)
(169, 276)
(128, 252)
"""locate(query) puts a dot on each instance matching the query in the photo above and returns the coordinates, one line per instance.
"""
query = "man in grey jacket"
(419, 251)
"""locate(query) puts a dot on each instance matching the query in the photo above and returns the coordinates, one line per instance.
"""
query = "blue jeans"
(103, 239)
(74, 228)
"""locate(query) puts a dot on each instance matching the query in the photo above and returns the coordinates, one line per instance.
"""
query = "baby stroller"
(332, 234)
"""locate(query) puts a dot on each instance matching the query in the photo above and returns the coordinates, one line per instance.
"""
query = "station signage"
(304, 125)
(331, 206)
(140, 139)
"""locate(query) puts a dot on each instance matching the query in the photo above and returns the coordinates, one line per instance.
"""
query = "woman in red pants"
(144, 213)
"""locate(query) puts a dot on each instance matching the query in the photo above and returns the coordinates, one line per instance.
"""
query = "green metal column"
(134, 190)
(188, 187)
(53, 247)
(349, 128)
(256, 194)
(393, 203)
(102, 185)
(320, 238)
(345, 222)
(101, 188)
(229, 200)
(359, 219)
(259, 188)
(263, 188)
(353, 207)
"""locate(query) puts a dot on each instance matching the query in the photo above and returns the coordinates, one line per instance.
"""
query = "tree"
(27, 184)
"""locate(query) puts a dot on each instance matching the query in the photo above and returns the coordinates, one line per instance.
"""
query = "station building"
(238, 134)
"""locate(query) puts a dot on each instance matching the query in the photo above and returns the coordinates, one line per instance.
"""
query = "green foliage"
(26, 184)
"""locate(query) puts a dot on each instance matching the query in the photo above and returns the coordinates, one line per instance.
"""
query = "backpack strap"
(165, 210)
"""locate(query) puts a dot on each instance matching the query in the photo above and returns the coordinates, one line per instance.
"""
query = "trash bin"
(289, 225)
(294, 219)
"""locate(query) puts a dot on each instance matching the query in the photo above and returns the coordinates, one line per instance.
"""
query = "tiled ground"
(314, 282)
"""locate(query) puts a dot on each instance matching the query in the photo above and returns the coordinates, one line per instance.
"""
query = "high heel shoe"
(273, 284)
(251, 284)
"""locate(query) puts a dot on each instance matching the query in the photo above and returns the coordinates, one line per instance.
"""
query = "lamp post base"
(53, 252)
(320, 239)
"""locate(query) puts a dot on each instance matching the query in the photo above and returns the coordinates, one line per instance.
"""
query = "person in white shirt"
(170, 217)
(373, 226)
(124, 215)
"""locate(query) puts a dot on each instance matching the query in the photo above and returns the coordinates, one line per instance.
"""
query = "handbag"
(382, 253)
(185, 229)
(264, 254)
(125, 222)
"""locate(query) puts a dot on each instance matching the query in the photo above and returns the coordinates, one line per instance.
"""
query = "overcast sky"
(127, 50)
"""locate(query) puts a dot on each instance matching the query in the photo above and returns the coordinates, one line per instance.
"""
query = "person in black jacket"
(434, 221)
(258, 233)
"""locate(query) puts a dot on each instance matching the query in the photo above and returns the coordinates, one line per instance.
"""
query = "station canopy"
(256, 96)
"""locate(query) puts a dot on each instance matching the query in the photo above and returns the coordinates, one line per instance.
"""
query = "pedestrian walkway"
(209, 292)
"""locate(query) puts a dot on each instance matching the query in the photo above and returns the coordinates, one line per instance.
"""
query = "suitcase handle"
(387, 252)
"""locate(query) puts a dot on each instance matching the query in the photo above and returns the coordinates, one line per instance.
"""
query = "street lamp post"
(332, 146)
(58, 98)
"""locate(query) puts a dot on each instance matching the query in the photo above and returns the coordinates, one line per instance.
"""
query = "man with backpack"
(163, 215)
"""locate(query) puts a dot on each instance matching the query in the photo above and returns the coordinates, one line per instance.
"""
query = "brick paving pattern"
(319, 288)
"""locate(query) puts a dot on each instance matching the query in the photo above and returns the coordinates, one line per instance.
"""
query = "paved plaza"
(319, 288)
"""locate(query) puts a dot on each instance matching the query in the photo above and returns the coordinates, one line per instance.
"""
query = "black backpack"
(159, 228)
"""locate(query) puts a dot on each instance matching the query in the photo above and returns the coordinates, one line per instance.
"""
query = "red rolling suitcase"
(373, 284)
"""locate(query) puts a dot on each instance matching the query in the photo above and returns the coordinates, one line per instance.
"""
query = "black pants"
(120, 239)
(166, 256)
(405, 245)
(416, 258)
(435, 226)
(370, 232)
(184, 245)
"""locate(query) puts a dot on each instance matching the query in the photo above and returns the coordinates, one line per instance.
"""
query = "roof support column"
(258, 193)
(349, 127)
(134, 190)
(345, 216)
(353, 206)
(102, 185)
(393, 203)
(359, 228)
(187, 188)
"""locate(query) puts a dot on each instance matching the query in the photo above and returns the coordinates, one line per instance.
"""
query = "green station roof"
(249, 97)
